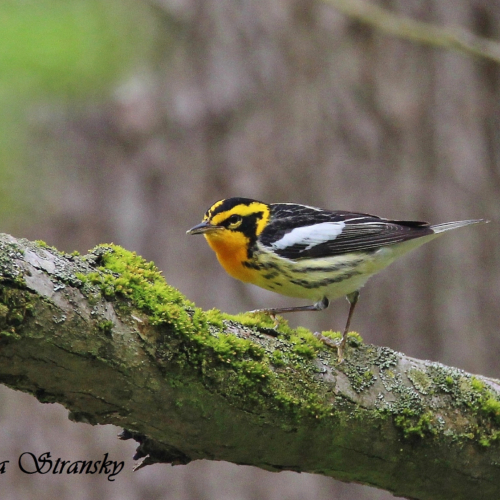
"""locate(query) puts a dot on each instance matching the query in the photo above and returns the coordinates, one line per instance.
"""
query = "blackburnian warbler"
(307, 252)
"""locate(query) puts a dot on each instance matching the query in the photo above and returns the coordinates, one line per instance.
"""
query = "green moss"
(304, 342)
(477, 385)
(273, 369)
(4, 312)
(354, 339)
(304, 350)
(254, 319)
(105, 327)
(14, 307)
(415, 425)
(10, 334)
(194, 339)
(337, 336)
(277, 358)
(46, 246)
(491, 407)
(408, 406)
(487, 406)
(486, 441)
(215, 318)
(473, 394)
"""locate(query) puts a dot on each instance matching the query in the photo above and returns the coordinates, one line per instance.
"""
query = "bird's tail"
(446, 226)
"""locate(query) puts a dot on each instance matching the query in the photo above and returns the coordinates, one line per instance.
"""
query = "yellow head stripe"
(211, 210)
(244, 210)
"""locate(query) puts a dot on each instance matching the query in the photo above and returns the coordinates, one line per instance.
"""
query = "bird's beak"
(203, 227)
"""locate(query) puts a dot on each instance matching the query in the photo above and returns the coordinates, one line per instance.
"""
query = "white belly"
(331, 277)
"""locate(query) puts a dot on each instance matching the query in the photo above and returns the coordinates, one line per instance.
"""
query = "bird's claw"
(336, 344)
(270, 313)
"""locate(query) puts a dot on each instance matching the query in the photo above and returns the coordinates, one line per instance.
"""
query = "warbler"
(307, 252)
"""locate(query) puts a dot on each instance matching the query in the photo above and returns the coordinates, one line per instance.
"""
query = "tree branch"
(104, 335)
(456, 38)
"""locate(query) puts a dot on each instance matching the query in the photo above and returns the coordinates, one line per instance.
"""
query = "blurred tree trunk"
(293, 101)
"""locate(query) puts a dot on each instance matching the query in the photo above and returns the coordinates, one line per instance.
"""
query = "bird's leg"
(353, 299)
(318, 306)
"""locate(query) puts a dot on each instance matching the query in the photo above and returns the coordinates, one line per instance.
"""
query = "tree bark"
(105, 336)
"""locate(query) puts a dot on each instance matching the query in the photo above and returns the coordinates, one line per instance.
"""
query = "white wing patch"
(310, 235)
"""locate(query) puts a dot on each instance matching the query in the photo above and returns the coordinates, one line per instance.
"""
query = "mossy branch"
(104, 335)
(452, 38)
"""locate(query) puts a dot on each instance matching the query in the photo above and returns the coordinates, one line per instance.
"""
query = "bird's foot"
(336, 344)
(272, 313)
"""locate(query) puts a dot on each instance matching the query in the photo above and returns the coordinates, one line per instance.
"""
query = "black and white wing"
(302, 232)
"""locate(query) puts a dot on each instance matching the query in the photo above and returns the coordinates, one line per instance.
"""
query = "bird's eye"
(234, 221)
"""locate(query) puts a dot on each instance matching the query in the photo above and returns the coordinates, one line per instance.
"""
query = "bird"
(307, 252)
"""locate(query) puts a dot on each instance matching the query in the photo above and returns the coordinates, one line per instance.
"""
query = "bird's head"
(233, 222)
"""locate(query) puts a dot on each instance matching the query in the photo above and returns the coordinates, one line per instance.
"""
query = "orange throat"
(231, 250)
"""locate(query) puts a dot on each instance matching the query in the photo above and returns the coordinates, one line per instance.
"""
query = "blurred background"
(124, 120)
